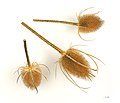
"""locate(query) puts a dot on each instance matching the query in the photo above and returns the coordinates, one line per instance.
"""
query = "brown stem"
(26, 52)
(41, 37)
(56, 21)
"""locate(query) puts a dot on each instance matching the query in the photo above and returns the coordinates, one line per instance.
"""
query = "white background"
(105, 88)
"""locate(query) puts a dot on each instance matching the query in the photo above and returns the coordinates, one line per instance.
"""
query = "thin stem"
(26, 52)
(41, 37)
(56, 21)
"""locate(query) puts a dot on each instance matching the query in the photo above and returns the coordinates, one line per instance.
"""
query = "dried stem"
(56, 21)
(26, 52)
(41, 37)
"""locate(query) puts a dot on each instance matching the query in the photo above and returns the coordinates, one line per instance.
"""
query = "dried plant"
(72, 62)
(86, 23)
(31, 73)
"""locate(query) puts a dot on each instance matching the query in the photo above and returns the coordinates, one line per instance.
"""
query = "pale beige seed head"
(75, 63)
(31, 76)
(89, 23)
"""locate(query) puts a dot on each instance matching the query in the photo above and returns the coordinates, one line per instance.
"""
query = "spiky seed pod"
(86, 23)
(31, 73)
(31, 76)
(89, 23)
(75, 63)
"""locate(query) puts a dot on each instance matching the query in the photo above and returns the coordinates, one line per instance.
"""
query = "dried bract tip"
(75, 63)
(89, 23)
(31, 76)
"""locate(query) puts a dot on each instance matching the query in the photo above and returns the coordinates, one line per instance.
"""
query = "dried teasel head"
(31, 73)
(76, 64)
(89, 23)
(86, 23)
(72, 62)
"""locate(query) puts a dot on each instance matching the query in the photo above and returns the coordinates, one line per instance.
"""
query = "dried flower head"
(31, 73)
(86, 23)
(75, 63)
(31, 76)
(89, 23)
(72, 62)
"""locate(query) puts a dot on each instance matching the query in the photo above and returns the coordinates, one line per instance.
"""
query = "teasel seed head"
(89, 23)
(76, 64)
(31, 74)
